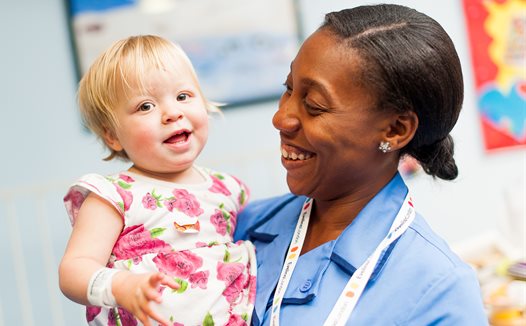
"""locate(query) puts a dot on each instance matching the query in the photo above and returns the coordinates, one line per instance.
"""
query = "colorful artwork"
(497, 33)
(409, 167)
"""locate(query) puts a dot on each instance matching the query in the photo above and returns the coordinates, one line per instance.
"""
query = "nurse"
(373, 84)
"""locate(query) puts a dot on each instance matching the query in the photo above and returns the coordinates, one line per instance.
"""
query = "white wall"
(44, 148)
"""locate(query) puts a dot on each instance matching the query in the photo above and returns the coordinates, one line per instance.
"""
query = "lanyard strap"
(291, 260)
(353, 290)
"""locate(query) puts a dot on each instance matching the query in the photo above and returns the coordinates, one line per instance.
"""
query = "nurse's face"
(328, 123)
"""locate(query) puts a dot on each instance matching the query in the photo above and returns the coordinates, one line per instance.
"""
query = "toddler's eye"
(146, 107)
(182, 97)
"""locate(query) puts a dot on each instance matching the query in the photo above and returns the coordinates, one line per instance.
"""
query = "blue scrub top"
(417, 281)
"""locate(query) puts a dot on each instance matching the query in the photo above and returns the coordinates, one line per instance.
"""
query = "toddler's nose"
(172, 114)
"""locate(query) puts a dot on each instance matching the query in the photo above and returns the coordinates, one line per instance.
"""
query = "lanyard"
(291, 260)
(353, 290)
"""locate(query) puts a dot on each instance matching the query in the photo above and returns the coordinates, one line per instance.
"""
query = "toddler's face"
(164, 127)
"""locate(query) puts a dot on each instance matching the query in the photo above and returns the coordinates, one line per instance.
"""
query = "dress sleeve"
(455, 299)
(230, 186)
(104, 187)
(241, 191)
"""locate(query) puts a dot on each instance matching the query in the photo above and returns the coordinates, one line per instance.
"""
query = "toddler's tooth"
(307, 156)
(301, 156)
(294, 156)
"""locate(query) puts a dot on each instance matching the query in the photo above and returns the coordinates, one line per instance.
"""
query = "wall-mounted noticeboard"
(241, 49)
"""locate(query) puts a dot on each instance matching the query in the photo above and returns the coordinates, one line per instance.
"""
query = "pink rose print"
(218, 186)
(244, 193)
(219, 222)
(235, 289)
(233, 222)
(232, 274)
(136, 241)
(199, 279)
(126, 196)
(178, 263)
(149, 202)
(239, 182)
(76, 198)
(229, 272)
(178, 324)
(170, 204)
(184, 202)
(235, 320)
(92, 312)
(201, 244)
(252, 289)
(126, 318)
(126, 178)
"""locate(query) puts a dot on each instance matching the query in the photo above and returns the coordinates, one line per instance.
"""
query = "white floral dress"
(184, 231)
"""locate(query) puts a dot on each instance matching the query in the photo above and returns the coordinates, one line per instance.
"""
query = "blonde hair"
(116, 71)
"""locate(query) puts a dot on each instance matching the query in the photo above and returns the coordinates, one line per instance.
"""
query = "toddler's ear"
(112, 141)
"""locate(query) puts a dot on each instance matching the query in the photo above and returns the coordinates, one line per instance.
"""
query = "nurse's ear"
(401, 130)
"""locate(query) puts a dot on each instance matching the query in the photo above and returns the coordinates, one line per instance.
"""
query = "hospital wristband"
(99, 288)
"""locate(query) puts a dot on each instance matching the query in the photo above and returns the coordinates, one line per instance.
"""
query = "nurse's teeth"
(295, 156)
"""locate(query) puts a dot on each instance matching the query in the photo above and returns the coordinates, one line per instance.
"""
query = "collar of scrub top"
(348, 251)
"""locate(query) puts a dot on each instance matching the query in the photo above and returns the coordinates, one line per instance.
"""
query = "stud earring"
(385, 146)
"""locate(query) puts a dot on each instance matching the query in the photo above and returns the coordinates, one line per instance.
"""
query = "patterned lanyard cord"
(292, 258)
(353, 290)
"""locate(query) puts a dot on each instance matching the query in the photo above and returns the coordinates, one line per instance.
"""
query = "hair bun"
(437, 159)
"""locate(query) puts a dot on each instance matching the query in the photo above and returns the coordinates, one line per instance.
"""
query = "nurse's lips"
(293, 153)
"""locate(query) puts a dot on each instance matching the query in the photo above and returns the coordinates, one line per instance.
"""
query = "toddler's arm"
(94, 234)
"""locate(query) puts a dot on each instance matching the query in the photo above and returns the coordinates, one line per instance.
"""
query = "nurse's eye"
(145, 107)
(313, 110)
(183, 97)
(288, 88)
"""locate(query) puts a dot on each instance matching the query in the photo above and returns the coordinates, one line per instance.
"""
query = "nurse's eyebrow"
(311, 83)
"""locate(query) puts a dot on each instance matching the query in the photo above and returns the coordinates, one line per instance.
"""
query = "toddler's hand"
(134, 292)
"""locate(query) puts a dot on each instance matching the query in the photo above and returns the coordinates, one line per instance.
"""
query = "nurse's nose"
(286, 119)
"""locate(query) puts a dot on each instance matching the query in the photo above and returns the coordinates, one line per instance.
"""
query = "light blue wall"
(44, 148)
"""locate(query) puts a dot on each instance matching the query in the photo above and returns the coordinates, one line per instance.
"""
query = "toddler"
(153, 244)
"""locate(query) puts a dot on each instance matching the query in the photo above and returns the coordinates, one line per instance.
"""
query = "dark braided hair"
(411, 65)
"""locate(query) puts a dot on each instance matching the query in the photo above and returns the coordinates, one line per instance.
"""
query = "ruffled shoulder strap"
(113, 189)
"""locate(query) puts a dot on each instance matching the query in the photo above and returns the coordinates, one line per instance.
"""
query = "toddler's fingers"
(155, 316)
(152, 294)
(155, 279)
(141, 301)
(143, 318)
(170, 282)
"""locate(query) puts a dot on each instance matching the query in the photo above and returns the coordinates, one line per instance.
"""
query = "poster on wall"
(497, 34)
(239, 56)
